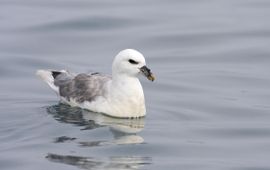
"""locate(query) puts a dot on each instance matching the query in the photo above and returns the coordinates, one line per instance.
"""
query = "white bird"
(120, 95)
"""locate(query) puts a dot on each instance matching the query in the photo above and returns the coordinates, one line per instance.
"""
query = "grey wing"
(83, 87)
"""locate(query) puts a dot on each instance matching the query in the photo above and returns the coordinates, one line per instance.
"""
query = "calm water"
(208, 109)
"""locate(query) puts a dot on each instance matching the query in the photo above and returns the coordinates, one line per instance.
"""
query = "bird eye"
(133, 61)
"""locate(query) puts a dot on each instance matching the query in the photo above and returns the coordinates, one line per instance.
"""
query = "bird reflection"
(124, 132)
(72, 115)
(116, 162)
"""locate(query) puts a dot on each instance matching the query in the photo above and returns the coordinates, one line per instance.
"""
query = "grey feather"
(83, 87)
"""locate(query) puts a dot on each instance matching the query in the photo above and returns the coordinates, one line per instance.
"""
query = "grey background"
(208, 108)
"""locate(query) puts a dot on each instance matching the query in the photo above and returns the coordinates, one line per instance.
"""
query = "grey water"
(209, 107)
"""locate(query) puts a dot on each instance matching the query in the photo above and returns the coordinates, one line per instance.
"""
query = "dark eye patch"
(133, 61)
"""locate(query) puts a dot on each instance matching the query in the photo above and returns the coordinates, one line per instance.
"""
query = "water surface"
(208, 109)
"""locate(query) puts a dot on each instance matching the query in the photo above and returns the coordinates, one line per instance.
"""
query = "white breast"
(123, 99)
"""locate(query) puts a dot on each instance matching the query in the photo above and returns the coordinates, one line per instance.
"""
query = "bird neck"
(125, 81)
(128, 86)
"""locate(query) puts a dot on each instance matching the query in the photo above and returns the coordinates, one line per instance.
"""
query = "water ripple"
(84, 24)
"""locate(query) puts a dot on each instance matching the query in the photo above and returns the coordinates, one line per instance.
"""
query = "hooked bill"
(147, 73)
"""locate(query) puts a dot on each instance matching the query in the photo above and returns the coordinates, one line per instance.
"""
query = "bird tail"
(48, 76)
